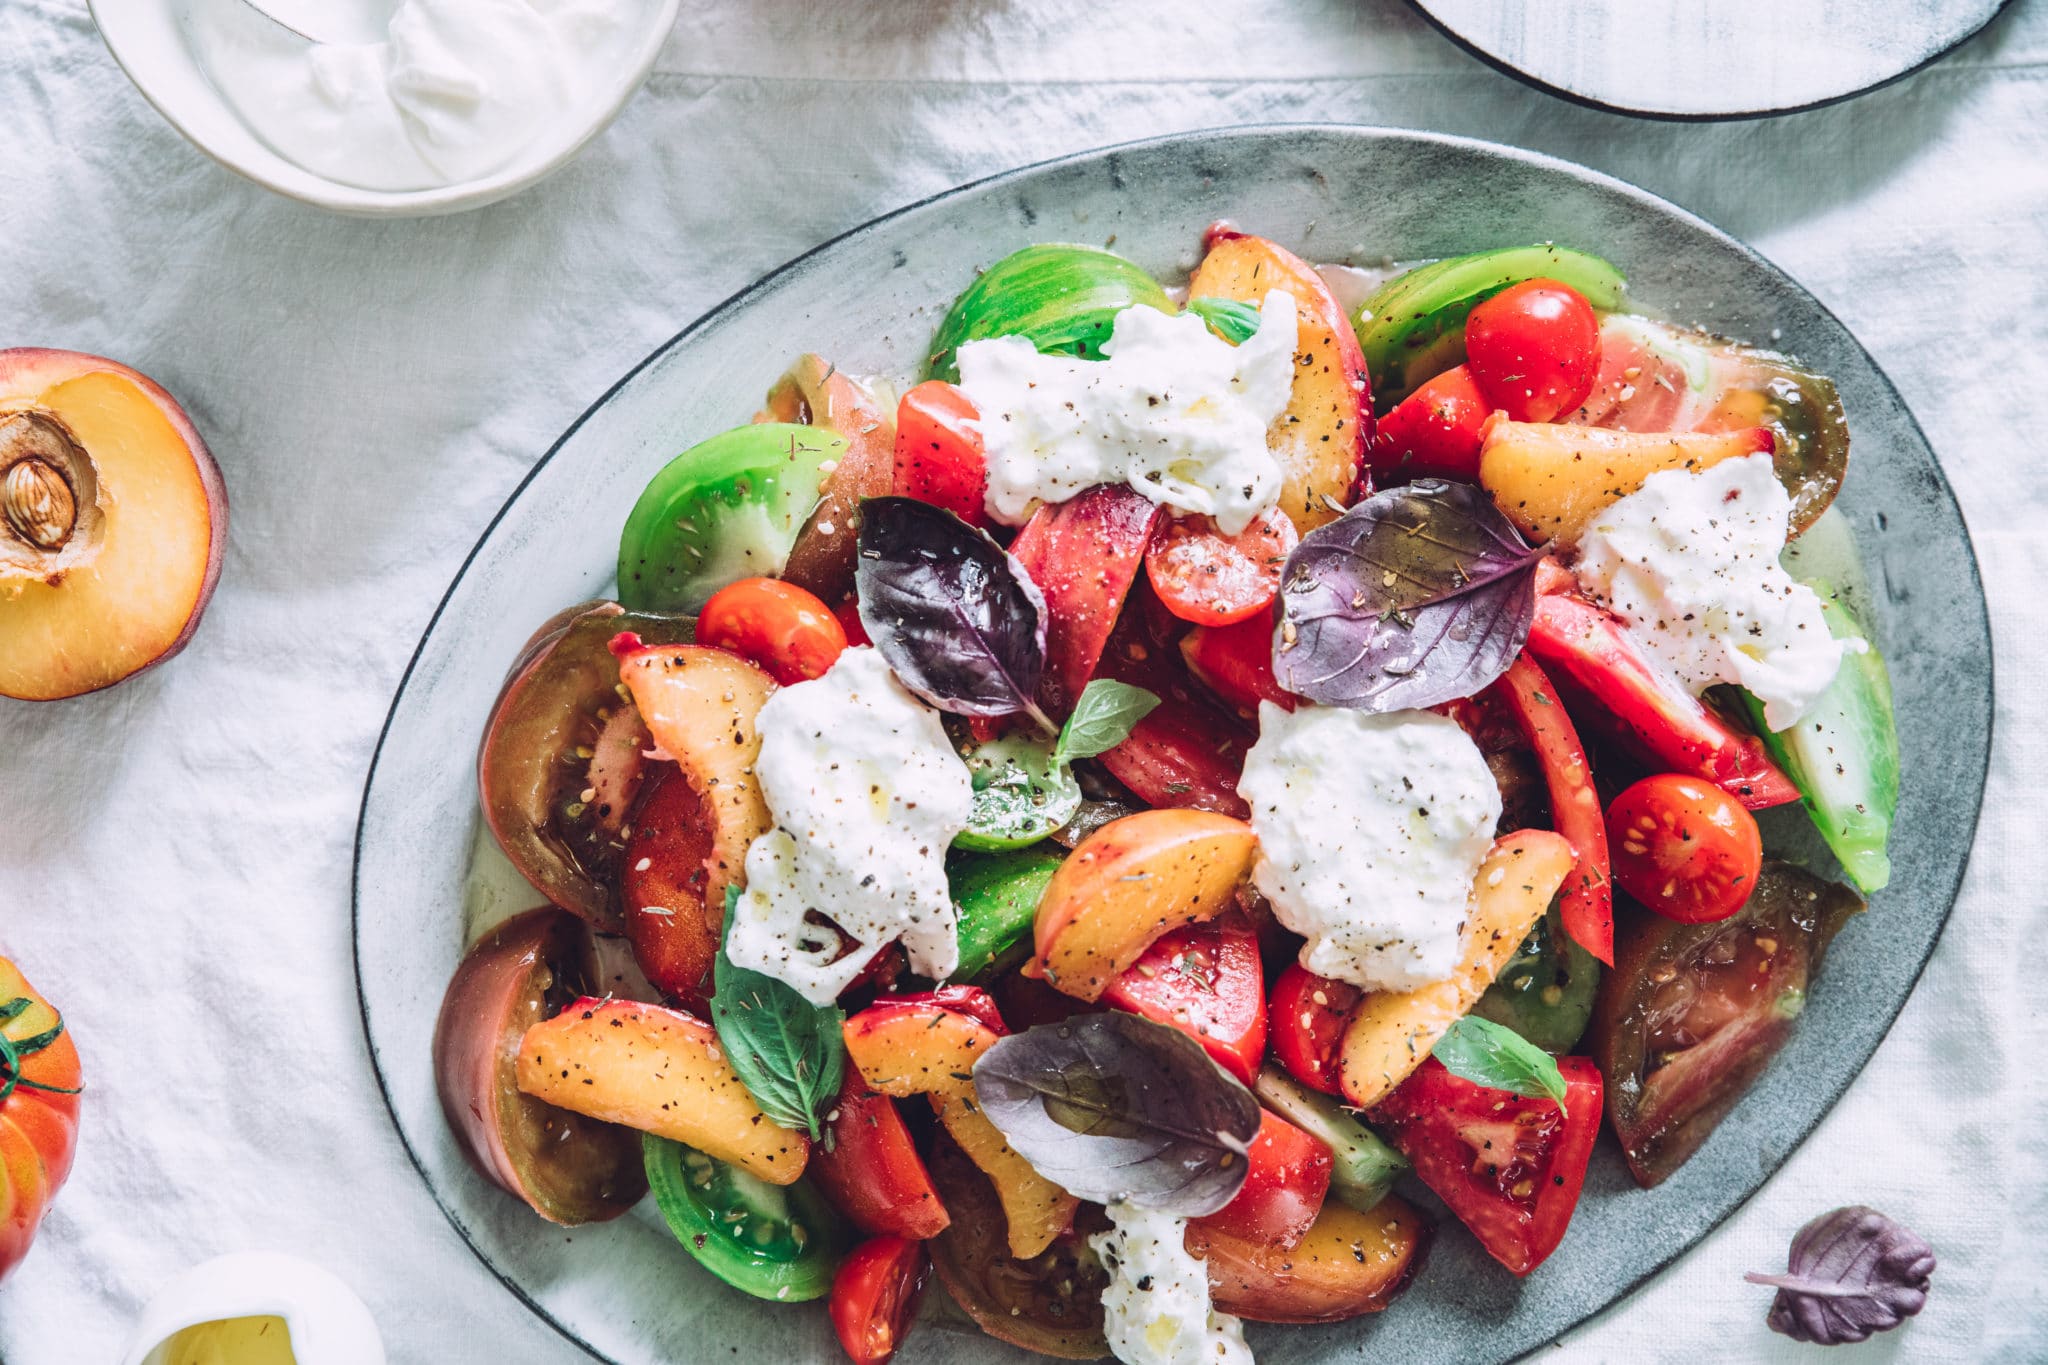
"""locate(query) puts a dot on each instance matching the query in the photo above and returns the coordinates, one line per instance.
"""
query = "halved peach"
(113, 520)
(905, 1048)
(1551, 478)
(1130, 882)
(701, 706)
(661, 1071)
(817, 393)
(1347, 1264)
(1321, 438)
(1391, 1033)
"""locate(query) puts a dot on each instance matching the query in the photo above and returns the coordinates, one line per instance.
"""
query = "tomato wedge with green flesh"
(1693, 1013)
(1236, 663)
(1205, 980)
(1363, 1167)
(1211, 579)
(1546, 990)
(1285, 1183)
(875, 1297)
(868, 1168)
(1572, 636)
(1588, 897)
(1308, 1014)
(1510, 1166)
(940, 455)
(776, 1242)
(1061, 298)
(996, 896)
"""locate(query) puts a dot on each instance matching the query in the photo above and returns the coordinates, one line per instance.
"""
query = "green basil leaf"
(787, 1052)
(1232, 319)
(1488, 1054)
(1102, 719)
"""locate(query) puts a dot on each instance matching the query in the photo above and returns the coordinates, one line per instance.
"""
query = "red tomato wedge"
(868, 1167)
(1684, 848)
(1083, 554)
(1308, 1014)
(1212, 579)
(1236, 663)
(1184, 754)
(1433, 432)
(1205, 980)
(1509, 1166)
(1588, 897)
(1283, 1191)
(1576, 638)
(875, 1294)
(662, 879)
(940, 458)
(778, 627)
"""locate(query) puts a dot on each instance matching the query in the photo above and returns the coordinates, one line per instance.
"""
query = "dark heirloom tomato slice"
(1487, 718)
(875, 1296)
(867, 1166)
(1205, 980)
(1692, 1013)
(562, 756)
(570, 1168)
(1347, 1264)
(1083, 554)
(1308, 1014)
(1283, 1191)
(1508, 1165)
(817, 393)
(1051, 1303)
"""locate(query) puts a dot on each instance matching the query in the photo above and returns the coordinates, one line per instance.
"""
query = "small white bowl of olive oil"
(255, 1308)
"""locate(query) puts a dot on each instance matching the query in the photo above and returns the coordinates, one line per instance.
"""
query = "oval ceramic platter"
(1678, 59)
(870, 301)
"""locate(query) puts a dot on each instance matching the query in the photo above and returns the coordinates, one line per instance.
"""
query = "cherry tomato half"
(875, 1295)
(1306, 1018)
(1684, 848)
(940, 458)
(1284, 1187)
(1212, 579)
(1433, 432)
(870, 1170)
(1534, 349)
(777, 625)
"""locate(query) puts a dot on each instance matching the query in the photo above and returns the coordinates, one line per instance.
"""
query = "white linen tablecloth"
(175, 853)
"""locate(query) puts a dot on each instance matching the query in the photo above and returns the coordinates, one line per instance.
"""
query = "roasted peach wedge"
(919, 1046)
(1552, 479)
(1346, 1265)
(1321, 438)
(1130, 882)
(1390, 1033)
(113, 520)
(661, 1071)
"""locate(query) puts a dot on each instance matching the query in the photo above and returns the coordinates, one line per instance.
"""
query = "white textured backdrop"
(174, 854)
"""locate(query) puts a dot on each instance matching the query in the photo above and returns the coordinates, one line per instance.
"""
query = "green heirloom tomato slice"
(779, 1242)
(1546, 990)
(1020, 795)
(725, 509)
(1413, 326)
(1063, 299)
(997, 895)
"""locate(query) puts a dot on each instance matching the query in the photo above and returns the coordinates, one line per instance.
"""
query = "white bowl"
(145, 38)
(328, 1324)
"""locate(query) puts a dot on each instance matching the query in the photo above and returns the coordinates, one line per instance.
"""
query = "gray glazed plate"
(870, 300)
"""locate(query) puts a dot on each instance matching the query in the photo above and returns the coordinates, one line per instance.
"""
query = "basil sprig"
(1488, 1054)
(1103, 718)
(787, 1052)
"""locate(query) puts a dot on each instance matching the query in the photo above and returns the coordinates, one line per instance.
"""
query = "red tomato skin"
(1588, 897)
(786, 631)
(1283, 1191)
(1307, 1015)
(870, 1170)
(1236, 663)
(38, 1127)
(875, 1294)
(1432, 1118)
(972, 1001)
(1211, 579)
(1534, 350)
(1684, 848)
(848, 615)
(1083, 554)
(1433, 432)
(1185, 756)
(1222, 1005)
(940, 457)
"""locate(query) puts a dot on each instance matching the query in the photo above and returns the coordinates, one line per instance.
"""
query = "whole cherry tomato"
(875, 1295)
(777, 625)
(1433, 432)
(1212, 579)
(1305, 1019)
(39, 1084)
(1684, 848)
(1534, 349)
(940, 458)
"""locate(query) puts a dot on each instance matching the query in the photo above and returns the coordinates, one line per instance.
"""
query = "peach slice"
(1347, 1264)
(661, 1071)
(113, 520)
(1321, 438)
(904, 1049)
(1130, 882)
(701, 706)
(1552, 479)
(1390, 1033)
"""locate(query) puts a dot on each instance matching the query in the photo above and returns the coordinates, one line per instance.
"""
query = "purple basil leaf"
(1112, 1106)
(959, 621)
(1420, 594)
(1853, 1272)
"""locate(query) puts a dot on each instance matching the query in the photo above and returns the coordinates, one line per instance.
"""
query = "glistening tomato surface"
(788, 632)
(39, 1084)
(1534, 349)
(940, 458)
(1283, 1190)
(1433, 432)
(870, 1170)
(875, 1297)
(1204, 980)
(1213, 579)
(1684, 848)
(1306, 1017)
